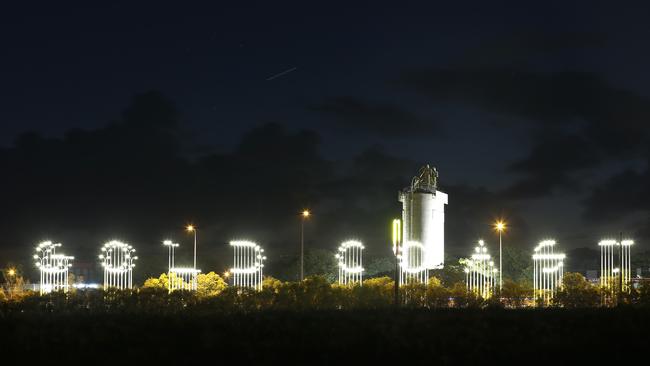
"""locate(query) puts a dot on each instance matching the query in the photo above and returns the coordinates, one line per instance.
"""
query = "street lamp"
(500, 226)
(304, 216)
(191, 229)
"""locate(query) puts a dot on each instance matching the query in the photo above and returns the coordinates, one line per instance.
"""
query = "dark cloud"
(578, 120)
(471, 214)
(552, 163)
(358, 116)
(528, 48)
(622, 195)
(130, 180)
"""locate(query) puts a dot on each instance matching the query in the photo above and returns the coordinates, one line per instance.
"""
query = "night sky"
(129, 121)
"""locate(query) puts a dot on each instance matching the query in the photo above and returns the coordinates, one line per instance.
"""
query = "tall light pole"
(170, 261)
(397, 240)
(304, 216)
(619, 300)
(500, 226)
(190, 229)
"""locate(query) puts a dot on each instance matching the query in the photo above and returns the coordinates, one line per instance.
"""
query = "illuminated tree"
(514, 294)
(437, 296)
(272, 283)
(375, 293)
(413, 293)
(210, 284)
(160, 282)
(577, 292)
(13, 281)
(464, 299)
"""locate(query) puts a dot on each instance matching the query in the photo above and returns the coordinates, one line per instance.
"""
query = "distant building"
(85, 272)
(592, 275)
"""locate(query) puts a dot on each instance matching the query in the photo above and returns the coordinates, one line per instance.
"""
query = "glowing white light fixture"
(53, 267)
(350, 260)
(412, 257)
(179, 278)
(548, 271)
(248, 258)
(610, 268)
(183, 278)
(118, 259)
(480, 273)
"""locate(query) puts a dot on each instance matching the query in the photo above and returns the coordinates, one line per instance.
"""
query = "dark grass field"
(405, 337)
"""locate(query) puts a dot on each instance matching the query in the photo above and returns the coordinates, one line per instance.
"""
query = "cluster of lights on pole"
(53, 267)
(350, 262)
(548, 271)
(480, 272)
(118, 261)
(411, 262)
(248, 260)
(615, 264)
(410, 257)
(179, 278)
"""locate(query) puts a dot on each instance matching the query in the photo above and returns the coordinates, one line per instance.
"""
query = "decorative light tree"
(179, 278)
(610, 268)
(248, 260)
(412, 263)
(53, 267)
(350, 258)
(548, 271)
(118, 262)
(480, 272)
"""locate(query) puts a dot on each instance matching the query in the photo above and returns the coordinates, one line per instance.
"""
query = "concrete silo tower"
(423, 215)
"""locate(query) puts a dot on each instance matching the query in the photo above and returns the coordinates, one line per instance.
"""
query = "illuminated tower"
(423, 216)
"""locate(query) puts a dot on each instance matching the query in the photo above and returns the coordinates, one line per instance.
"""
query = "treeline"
(314, 293)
